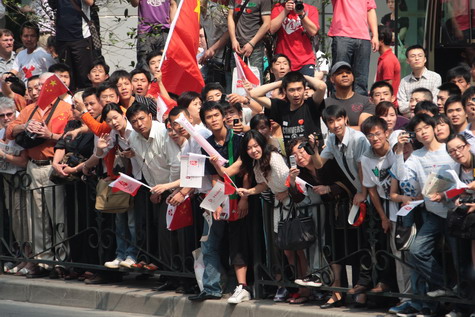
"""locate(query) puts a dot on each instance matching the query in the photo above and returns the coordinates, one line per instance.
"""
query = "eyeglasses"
(459, 149)
(6, 115)
(372, 135)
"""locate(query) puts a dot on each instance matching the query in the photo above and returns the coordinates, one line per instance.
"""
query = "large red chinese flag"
(52, 89)
(180, 71)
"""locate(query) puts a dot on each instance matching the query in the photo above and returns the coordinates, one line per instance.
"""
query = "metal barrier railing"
(66, 230)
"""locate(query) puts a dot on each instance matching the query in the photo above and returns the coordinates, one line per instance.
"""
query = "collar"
(423, 75)
(346, 137)
(12, 57)
(226, 140)
(388, 52)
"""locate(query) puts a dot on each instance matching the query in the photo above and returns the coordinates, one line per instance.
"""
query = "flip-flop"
(299, 300)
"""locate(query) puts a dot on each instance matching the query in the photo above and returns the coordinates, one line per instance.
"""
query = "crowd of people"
(305, 140)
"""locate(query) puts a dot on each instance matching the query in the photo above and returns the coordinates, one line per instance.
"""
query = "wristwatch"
(83, 112)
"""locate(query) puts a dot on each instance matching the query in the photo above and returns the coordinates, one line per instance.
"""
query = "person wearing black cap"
(357, 107)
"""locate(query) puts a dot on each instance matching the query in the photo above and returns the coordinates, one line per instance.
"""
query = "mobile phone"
(236, 121)
(293, 162)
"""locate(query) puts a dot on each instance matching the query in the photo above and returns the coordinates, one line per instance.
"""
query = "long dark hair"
(267, 149)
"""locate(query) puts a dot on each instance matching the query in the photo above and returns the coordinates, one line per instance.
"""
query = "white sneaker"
(454, 313)
(240, 295)
(113, 264)
(127, 263)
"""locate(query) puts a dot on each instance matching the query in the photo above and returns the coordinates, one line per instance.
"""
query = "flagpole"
(170, 33)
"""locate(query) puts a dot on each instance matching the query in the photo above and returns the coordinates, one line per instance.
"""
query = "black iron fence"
(66, 230)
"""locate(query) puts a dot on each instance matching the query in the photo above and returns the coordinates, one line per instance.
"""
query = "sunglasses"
(6, 115)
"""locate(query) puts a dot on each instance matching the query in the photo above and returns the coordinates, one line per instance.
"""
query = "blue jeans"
(357, 53)
(125, 228)
(429, 274)
(211, 257)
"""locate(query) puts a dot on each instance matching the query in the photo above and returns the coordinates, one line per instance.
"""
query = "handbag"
(95, 37)
(461, 224)
(404, 236)
(28, 140)
(109, 201)
(295, 232)
(72, 159)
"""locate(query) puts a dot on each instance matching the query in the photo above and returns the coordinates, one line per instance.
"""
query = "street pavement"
(135, 298)
(21, 309)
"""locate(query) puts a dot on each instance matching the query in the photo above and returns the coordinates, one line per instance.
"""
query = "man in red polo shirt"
(295, 25)
(389, 68)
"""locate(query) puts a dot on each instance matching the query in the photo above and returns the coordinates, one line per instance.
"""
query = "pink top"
(350, 18)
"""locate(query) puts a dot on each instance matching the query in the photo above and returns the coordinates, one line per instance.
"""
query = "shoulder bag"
(28, 140)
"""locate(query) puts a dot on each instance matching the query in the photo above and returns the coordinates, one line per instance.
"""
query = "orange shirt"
(56, 125)
(20, 102)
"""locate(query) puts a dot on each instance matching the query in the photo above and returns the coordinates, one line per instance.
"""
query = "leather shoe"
(164, 287)
(37, 272)
(337, 303)
(97, 279)
(358, 289)
(202, 296)
(380, 288)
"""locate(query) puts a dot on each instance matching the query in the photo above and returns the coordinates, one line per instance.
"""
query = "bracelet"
(248, 101)
(250, 44)
(52, 135)
(303, 15)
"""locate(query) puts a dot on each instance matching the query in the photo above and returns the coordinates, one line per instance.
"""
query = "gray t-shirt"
(354, 106)
(250, 20)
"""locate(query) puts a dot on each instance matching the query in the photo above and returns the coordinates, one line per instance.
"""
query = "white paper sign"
(215, 197)
(185, 180)
(196, 165)
(407, 209)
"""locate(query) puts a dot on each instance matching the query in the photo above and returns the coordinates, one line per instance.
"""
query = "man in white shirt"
(419, 77)
(33, 60)
(160, 164)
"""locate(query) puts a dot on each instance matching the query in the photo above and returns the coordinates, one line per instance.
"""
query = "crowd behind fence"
(87, 239)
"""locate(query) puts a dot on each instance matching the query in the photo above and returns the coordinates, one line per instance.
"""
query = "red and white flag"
(180, 216)
(244, 72)
(452, 193)
(299, 183)
(126, 184)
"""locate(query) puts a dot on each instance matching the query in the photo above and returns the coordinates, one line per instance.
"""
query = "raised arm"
(259, 93)
(319, 86)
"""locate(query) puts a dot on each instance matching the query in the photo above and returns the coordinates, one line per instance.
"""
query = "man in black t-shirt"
(297, 116)
(358, 107)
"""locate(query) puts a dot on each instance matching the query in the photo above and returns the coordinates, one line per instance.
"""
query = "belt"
(41, 162)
